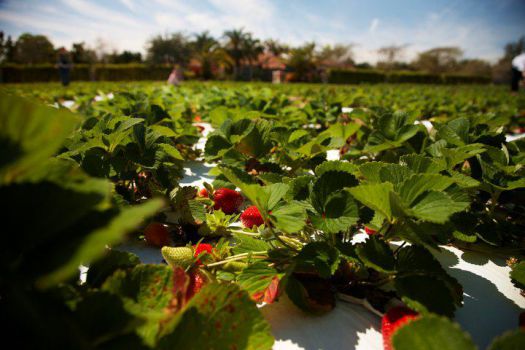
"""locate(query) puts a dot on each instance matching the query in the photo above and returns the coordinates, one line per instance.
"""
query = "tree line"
(238, 54)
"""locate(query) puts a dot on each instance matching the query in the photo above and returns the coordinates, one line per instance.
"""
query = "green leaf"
(337, 166)
(246, 244)
(288, 218)
(325, 186)
(257, 277)
(218, 317)
(425, 293)
(512, 340)
(455, 132)
(29, 135)
(310, 293)
(421, 164)
(436, 207)
(432, 332)
(517, 274)
(341, 212)
(321, 256)
(417, 184)
(146, 292)
(376, 197)
(94, 245)
(376, 254)
(171, 151)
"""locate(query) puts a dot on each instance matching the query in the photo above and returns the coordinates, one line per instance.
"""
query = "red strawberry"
(369, 231)
(395, 318)
(197, 281)
(202, 248)
(203, 192)
(251, 217)
(197, 118)
(227, 200)
(157, 235)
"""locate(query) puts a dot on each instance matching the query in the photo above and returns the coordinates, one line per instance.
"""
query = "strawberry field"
(143, 216)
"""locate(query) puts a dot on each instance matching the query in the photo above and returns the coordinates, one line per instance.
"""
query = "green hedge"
(355, 76)
(121, 72)
(372, 76)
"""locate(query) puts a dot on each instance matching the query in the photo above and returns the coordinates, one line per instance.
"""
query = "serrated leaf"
(376, 254)
(321, 256)
(335, 165)
(431, 332)
(257, 277)
(421, 164)
(517, 274)
(218, 317)
(376, 197)
(417, 184)
(436, 207)
(512, 340)
(288, 218)
(341, 212)
(246, 244)
(426, 294)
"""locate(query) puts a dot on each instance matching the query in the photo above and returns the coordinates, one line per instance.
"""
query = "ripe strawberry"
(157, 235)
(178, 256)
(369, 231)
(197, 118)
(251, 217)
(227, 200)
(197, 281)
(203, 192)
(202, 248)
(395, 318)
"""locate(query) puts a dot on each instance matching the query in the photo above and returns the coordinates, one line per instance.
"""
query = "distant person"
(64, 66)
(176, 76)
(518, 71)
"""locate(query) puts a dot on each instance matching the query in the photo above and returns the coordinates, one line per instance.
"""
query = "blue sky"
(480, 27)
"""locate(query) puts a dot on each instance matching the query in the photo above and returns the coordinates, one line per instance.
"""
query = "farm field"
(251, 193)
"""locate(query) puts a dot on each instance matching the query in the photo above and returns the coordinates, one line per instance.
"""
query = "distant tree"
(31, 49)
(252, 49)
(513, 49)
(209, 53)
(390, 56)
(474, 67)
(9, 48)
(337, 55)
(439, 59)
(169, 49)
(81, 54)
(235, 47)
(275, 47)
(302, 61)
(127, 57)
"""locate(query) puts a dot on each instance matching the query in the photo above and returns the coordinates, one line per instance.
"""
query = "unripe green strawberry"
(234, 266)
(178, 256)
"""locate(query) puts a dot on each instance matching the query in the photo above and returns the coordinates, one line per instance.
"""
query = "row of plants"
(279, 219)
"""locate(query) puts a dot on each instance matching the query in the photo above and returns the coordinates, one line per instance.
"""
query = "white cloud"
(373, 25)
(67, 21)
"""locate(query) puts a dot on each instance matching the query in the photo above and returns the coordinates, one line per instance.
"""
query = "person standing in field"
(518, 71)
(64, 66)
(176, 76)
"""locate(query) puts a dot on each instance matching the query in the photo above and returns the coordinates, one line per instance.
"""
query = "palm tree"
(208, 52)
(235, 47)
(252, 49)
